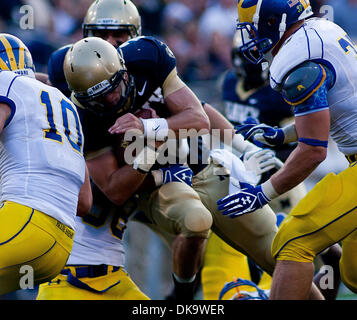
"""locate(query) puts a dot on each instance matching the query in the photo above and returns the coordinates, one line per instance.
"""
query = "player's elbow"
(118, 198)
(317, 155)
(202, 121)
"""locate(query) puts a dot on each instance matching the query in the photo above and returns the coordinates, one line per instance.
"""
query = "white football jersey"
(322, 41)
(41, 148)
(99, 235)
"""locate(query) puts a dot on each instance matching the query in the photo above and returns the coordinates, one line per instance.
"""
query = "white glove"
(261, 161)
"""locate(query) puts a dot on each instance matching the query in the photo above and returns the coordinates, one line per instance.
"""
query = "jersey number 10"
(52, 133)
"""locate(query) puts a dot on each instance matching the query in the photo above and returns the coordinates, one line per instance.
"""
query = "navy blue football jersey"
(264, 104)
(147, 59)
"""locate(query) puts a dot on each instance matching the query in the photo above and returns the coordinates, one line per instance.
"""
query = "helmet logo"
(107, 21)
(98, 87)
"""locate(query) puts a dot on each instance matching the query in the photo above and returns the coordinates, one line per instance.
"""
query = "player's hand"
(261, 161)
(270, 136)
(248, 199)
(173, 173)
(125, 123)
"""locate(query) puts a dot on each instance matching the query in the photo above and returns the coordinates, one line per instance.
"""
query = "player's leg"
(348, 263)
(251, 234)
(113, 284)
(324, 217)
(32, 244)
(175, 208)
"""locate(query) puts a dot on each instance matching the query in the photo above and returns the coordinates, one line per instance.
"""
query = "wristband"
(155, 128)
(269, 190)
(145, 159)
(290, 134)
(157, 175)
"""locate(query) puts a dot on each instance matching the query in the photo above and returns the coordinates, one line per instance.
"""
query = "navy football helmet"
(266, 21)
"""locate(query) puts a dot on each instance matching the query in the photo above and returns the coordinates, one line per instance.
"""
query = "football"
(120, 144)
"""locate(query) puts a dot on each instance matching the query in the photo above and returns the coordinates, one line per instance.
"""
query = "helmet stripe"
(3, 65)
(10, 53)
(21, 58)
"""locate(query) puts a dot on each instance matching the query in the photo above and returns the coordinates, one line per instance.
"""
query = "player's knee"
(197, 223)
(293, 250)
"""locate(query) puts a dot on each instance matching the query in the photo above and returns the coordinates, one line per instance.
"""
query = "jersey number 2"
(52, 133)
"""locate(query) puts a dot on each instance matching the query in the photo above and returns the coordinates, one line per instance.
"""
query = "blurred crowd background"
(200, 33)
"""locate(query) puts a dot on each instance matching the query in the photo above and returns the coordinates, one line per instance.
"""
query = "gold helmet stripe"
(10, 53)
(3, 65)
(21, 58)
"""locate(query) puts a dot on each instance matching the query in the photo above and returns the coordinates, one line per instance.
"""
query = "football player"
(246, 93)
(313, 65)
(44, 180)
(57, 61)
(95, 268)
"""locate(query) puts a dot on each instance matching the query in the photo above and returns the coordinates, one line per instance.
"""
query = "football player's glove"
(260, 161)
(173, 173)
(247, 200)
(270, 136)
(258, 295)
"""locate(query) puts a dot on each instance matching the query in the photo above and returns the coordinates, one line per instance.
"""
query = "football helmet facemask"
(15, 56)
(112, 15)
(94, 69)
(252, 74)
(266, 21)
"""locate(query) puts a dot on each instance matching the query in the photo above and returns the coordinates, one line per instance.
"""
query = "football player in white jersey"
(313, 64)
(42, 169)
(95, 268)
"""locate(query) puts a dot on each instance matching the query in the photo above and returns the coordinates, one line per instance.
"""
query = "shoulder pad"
(300, 83)
(55, 70)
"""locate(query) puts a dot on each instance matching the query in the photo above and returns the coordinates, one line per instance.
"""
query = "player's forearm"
(189, 122)
(123, 183)
(300, 164)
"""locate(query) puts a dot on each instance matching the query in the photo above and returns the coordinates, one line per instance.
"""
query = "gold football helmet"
(112, 15)
(94, 68)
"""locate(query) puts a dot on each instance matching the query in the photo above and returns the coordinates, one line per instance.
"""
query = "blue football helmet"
(14, 56)
(258, 295)
(266, 21)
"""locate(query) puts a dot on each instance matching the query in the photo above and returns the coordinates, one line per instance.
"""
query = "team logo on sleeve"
(170, 53)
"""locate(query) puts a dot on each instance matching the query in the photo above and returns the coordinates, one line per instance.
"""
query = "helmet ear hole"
(272, 21)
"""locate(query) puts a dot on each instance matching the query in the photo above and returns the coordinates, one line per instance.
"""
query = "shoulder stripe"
(308, 42)
(12, 81)
(317, 84)
(322, 44)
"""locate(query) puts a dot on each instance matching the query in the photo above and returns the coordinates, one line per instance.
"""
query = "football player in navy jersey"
(152, 64)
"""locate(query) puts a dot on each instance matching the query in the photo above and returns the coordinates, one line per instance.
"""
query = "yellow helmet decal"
(10, 53)
(246, 10)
